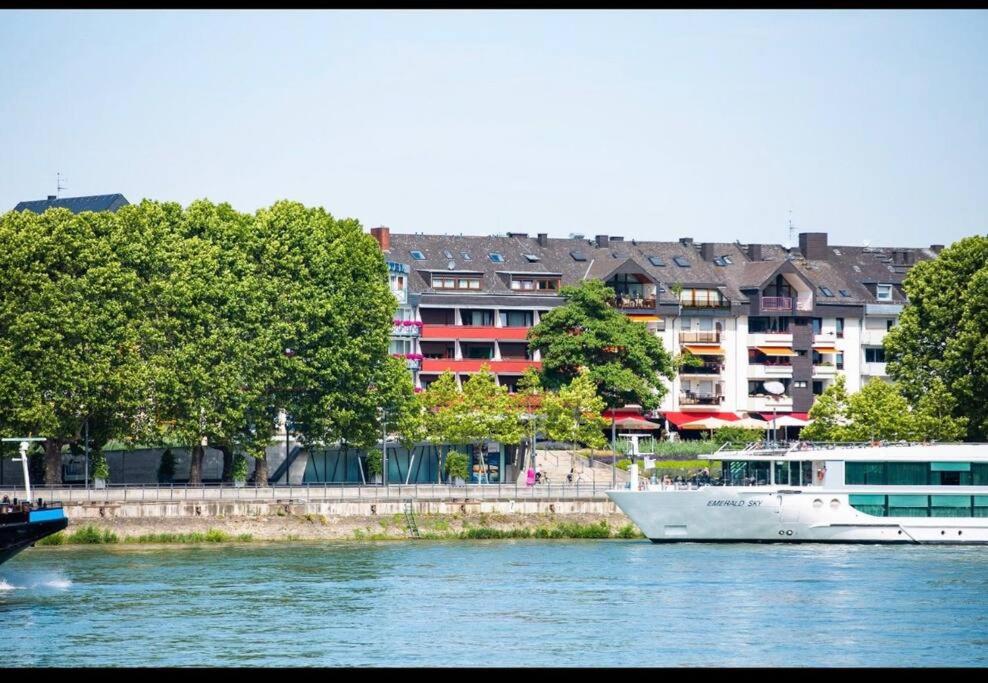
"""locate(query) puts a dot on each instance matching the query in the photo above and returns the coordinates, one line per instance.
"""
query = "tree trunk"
(261, 469)
(195, 464)
(227, 462)
(53, 462)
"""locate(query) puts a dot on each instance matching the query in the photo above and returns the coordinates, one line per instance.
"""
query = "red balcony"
(498, 367)
(474, 332)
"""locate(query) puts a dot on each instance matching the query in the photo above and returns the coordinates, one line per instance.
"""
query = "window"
(826, 291)
(727, 259)
(770, 325)
(578, 255)
(681, 261)
(798, 384)
(840, 360)
(447, 253)
(840, 328)
(857, 473)
(889, 324)
(455, 283)
(466, 256)
(817, 387)
(884, 292)
(532, 258)
(875, 355)
(516, 318)
(817, 324)
(417, 255)
(844, 293)
(720, 261)
(656, 261)
(870, 505)
(496, 257)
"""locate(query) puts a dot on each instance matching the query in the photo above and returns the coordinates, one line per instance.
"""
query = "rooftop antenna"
(792, 239)
(58, 183)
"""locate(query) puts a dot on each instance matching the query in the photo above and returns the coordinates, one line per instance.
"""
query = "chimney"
(936, 248)
(52, 197)
(602, 241)
(517, 234)
(755, 252)
(686, 241)
(707, 251)
(617, 238)
(383, 236)
(543, 239)
(813, 245)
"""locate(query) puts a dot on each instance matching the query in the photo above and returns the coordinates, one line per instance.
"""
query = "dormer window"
(541, 284)
(458, 282)
(884, 292)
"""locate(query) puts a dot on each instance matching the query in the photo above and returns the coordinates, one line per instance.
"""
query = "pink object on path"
(530, 478)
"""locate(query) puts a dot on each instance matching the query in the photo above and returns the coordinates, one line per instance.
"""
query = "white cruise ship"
(823, 493)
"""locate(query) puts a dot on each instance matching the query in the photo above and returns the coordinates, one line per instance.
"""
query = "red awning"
(798, 416)
(678, 419)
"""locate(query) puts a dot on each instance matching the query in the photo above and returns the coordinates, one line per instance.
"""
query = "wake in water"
(57, 583)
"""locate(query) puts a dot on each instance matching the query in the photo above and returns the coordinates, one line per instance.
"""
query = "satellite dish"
(775, 388)
(451, 265)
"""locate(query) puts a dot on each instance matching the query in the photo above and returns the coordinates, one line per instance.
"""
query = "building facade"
(751, 313)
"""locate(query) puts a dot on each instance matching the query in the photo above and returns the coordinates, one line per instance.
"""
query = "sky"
(871, 126)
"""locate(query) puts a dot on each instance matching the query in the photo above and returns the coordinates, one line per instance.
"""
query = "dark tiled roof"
(98, 202)
(845, 268)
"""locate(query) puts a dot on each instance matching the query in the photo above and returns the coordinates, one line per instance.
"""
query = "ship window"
(981, 506)
(908, 506)
(950, 506)
(908, 473)
(856, 473)
(870, 505)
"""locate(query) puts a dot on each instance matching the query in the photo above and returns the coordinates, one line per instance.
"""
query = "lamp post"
(384, 446)
(86, 451)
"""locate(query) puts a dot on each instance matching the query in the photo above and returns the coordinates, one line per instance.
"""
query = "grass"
(91, 535)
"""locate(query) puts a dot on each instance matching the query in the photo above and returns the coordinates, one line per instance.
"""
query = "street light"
(289, 353)
(776, 389)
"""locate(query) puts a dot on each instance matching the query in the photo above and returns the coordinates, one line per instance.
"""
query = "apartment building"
(752, 313)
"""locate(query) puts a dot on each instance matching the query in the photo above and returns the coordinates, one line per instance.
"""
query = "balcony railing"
(699, 337)
(693, 398)
(626, 302)
(406, 328)
(705, 369)
(776, 303)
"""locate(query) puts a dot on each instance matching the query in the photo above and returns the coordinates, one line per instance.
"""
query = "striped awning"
(776, 351)
(704, 350)
(825, 349)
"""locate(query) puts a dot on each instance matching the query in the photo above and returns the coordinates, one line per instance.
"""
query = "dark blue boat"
(23, 524)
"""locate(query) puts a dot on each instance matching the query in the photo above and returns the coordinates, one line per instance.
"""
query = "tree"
(933, 415)
(485, 413)
(438, 402)
(943, 332)
(623, 359)
(879, 411)
(68, 338)
(573, 413)
(829, 414)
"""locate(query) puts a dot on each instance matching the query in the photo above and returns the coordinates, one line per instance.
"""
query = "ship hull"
(17, 535)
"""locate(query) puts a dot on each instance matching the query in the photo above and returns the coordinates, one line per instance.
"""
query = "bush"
(623, 464)
(456, 465)
(239, 467)
(100, 469)
(91, 535)
(373, 463)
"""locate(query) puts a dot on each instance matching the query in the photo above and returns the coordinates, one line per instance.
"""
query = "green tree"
(623, 359)
(573, 413)
(829, 414)
(485, 413)
(932, 417)
(438, 402)
(943, 331)
(68, 338)
(737, 435)
(879, 411)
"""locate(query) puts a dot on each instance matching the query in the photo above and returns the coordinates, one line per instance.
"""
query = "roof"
(97, 202)
(855, 270)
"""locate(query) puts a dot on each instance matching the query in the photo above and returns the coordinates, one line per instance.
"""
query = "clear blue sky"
(656, 125)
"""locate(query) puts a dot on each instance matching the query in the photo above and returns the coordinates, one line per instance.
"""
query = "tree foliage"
(573, 413)
(943, 332)
(623, 359)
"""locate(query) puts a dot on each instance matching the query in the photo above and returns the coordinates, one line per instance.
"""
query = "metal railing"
(164, 493)
(699, 337)
(776, 303)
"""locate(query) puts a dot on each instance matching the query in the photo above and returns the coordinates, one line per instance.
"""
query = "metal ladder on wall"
(413, 529)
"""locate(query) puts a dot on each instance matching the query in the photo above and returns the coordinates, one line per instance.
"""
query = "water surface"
(496, 603)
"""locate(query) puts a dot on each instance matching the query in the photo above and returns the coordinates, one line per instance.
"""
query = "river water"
(495, 603)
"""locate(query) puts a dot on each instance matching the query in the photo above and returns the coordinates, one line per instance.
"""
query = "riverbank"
(312, 527)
